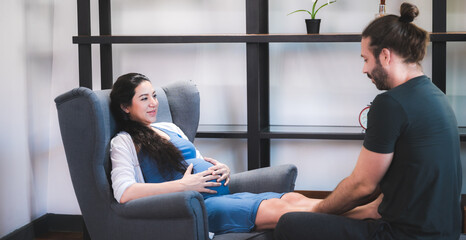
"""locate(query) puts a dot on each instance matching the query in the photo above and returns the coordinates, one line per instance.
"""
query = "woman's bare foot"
(369, 210)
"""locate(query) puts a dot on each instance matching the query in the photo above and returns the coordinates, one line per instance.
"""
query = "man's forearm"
(346, 196)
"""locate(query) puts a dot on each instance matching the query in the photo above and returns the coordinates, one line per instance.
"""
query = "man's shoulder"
(385, 100)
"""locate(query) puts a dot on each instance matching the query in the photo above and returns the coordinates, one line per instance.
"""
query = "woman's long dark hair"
(399, 34)
(167, 156)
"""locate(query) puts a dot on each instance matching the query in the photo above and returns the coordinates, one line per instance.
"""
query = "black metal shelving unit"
(246, 38)
(258, 131)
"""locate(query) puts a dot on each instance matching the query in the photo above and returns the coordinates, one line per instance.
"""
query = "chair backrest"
(87, 126)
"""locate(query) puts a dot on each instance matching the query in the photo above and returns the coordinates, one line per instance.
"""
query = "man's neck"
(405, 72)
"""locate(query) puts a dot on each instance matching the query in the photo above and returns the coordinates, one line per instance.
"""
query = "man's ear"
(385, 56)
(124, 108)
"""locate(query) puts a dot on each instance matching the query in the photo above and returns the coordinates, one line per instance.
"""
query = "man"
(410, 159)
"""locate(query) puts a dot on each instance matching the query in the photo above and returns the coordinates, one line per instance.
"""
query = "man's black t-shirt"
(422, 186)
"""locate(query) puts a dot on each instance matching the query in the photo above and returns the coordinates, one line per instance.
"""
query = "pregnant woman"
(154, 158)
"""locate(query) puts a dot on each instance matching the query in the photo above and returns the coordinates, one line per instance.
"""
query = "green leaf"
(302, 10)
(313, 15)
(314, 11)
(322, 7)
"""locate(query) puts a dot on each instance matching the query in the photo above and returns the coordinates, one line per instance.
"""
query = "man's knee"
(290, 226)
(282, 228)
(304, 225)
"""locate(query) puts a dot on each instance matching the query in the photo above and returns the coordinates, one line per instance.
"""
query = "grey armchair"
(87, 126)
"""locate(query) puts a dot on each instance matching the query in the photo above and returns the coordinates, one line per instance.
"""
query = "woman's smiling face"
(144, 104)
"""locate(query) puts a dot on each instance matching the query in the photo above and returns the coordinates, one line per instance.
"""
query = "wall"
(61, 197)
(311, 83)
(25, 67)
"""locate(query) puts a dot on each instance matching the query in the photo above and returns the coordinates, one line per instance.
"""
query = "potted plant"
(313, 24)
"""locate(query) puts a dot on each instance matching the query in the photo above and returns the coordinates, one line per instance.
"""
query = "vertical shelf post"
(257, 84)
(439, 49)
(105, 28)
(84, 50)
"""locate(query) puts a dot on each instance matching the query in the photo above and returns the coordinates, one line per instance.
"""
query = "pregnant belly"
(200, 165)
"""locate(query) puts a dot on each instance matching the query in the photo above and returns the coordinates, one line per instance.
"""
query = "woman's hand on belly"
(199, 181)
(219, 169)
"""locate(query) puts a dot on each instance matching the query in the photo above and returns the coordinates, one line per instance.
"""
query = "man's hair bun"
(408, 12)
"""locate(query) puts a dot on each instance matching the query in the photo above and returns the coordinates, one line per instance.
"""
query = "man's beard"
(379, 77)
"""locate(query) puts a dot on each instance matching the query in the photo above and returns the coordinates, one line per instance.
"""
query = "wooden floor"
(79, 236)
(61, 236)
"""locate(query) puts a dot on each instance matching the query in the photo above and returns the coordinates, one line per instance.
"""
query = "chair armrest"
(269, 179)
(179, 215)
(189, 204)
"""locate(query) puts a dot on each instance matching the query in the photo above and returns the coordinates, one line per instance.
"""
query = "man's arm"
(361, 187)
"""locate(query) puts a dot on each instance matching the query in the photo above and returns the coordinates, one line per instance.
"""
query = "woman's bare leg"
(299, 200)
(369, 210)
(271, 210)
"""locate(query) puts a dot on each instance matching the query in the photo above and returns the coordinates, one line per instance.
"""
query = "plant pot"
(312, 25)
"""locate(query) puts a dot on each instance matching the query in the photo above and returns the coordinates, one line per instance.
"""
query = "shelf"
(448, 36)
(225, 38)
(222, 131)
(313, 132)
(282, 132)
(244, 38)
(291, 132)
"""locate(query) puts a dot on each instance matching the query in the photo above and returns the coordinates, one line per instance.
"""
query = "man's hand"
(369, 210)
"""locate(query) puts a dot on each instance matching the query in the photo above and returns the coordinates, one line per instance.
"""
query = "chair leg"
(86, 235)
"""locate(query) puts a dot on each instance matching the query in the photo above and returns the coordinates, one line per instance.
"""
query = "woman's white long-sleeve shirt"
(125, 164)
